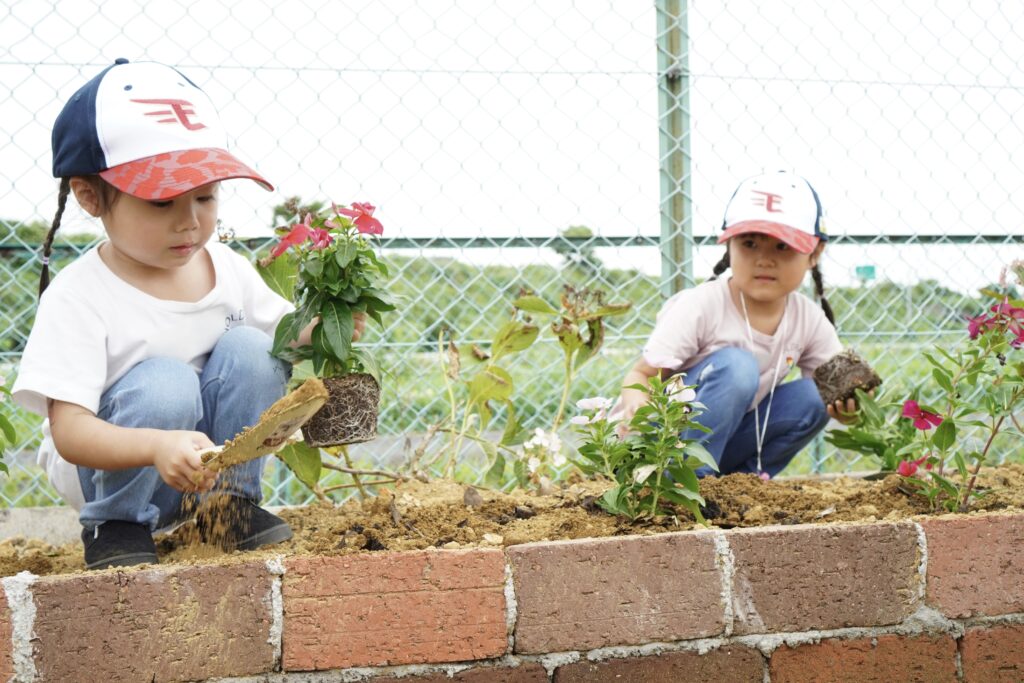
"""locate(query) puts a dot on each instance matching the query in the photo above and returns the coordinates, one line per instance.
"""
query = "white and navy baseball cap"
(147, 130)
(782, 205)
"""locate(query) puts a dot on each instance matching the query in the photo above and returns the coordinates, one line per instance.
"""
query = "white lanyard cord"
(759, 433)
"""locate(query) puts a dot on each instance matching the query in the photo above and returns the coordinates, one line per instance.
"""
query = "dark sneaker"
(234, 523)
(118, 544)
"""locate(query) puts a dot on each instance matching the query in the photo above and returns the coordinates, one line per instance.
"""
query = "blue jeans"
(239, 381)
(727, 382)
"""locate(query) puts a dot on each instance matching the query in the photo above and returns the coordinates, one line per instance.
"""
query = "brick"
(191, 623)
(416, 607)
(975, 565)
(823, 577)
(6, 631)
(527, 672)
(733, 663)
(867, 660)
(579, 595)
(993, 655)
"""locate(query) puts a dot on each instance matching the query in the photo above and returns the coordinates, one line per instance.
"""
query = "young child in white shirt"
(737, 339)
(156, 343)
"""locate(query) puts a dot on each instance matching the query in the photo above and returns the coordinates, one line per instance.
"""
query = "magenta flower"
(923, 420)
(321, 238)
(907, 468)
(299, 233)
(361, 214)
(977, 325)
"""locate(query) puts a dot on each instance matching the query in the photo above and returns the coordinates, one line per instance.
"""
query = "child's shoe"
(234, 523)
(118, 544)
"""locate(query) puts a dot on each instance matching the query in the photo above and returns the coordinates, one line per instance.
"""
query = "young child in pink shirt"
(737, 339)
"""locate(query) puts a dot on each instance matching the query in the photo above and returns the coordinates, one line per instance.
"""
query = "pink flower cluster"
(361, 214)
(922, 418)
(907, 468)
(1003, 315)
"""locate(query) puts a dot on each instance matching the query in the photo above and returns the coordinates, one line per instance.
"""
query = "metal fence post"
(674, 146)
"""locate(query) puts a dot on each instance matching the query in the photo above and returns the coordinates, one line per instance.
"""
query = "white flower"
(558, 460)
(533, 464)
(678, 391)
(580, 420)
(683, 396)
(598, 403)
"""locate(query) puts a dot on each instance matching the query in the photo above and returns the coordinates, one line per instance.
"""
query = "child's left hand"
(845, 413)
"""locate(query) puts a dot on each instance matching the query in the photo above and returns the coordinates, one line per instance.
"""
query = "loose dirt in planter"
(416, 515)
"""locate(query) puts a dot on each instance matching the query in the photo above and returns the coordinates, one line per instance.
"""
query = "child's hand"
(630, 402)
(359, 324)
(176, 458)
(844, 413)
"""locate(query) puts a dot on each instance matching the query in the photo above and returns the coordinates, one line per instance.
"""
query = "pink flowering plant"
(980, 385)
(650, 463)
(327, 265)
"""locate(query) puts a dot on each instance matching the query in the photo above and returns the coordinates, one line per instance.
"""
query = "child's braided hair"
(819, 286)
(105, 193)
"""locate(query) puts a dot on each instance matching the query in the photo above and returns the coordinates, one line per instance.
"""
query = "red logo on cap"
(768, 200)
(179, 112)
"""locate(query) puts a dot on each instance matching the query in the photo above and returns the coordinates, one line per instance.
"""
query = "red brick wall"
(799, 603)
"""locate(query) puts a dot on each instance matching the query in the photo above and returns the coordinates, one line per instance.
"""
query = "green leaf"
(280, 275)
(7, 429)
(697, 451)
(685, 476)
(961, 465)
(534, 304)
(608, 310)
(345, 253)
(945, 435)
(336, 321)
(304, 461)
(513, 337)
(315, 267)
(496, 472)
(490, 384)
(943, 379)
(513, 434)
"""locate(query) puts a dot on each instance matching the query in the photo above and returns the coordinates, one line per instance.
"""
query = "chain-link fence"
(531, 144)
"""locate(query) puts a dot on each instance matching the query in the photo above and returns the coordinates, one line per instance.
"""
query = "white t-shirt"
(696, 322)
(92, 327)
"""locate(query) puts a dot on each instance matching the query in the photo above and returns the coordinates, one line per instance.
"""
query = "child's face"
(162, 234)
(766, 269)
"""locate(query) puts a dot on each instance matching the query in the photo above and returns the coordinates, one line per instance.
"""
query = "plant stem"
(348, 486)
(447, 382)
(565, 392)
(367, 473)
(461, 434)
(355, 477)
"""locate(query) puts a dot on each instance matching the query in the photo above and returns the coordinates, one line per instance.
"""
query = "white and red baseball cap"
(782, 205)
(147, 130)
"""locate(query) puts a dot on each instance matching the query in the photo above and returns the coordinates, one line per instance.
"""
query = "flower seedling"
(650, 463)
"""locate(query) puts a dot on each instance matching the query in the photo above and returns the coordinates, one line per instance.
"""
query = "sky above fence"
(465, 119)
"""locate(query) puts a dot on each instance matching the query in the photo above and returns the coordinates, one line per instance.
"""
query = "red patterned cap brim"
(168, 175)
(798, 239)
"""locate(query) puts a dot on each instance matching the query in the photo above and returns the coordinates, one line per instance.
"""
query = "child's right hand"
(629, 402)
(176, 458)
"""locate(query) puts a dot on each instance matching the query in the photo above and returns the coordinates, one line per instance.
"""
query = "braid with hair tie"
(721, 266)
(819, 289)
(62, 200)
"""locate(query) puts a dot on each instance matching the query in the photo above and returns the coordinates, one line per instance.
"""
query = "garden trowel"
(276, 424)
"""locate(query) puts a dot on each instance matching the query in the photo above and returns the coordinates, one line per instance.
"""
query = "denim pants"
(726, 382)
(239, 381)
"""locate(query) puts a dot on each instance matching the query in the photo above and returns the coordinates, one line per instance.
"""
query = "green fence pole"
(674, 146)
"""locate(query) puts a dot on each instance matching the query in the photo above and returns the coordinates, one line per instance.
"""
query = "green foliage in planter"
(939, 464)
